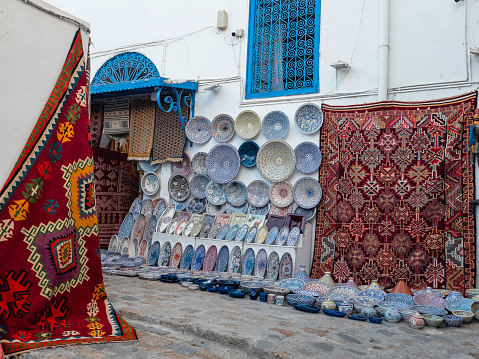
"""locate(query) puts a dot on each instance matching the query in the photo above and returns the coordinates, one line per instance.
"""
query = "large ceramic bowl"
(453, 320)
(472, 292)
(281, 194)
(178, 187)
(247, 124)
(432, 320)
(257, 193)
(249, 286)
(275, 125)
(198, 163)
(308, 157)
(223, 128)
(247, 152)
(198, 129)
(276, 161)
(308, 118)
(198, 186)
(276, 290)
(223, 163)
(307, 192)
(296, 299)
(465, 315)
(236, 193)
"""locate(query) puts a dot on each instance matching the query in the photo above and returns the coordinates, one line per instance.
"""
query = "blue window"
(283, 48)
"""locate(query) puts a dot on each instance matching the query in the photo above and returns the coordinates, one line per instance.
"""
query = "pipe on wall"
(383, 50)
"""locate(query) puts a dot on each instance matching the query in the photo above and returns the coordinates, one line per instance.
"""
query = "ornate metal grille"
(283, 48)
(128, 66)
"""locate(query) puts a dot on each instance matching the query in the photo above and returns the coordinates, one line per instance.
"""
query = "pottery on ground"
(392, 315)
(401, 287)
(326, 279)
(417, 321)
(465, 315)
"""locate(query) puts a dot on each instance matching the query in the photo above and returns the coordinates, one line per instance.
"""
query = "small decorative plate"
(138, 227)
(165, 252)
(223, 128)
(272, 234)
(160, 207)
(147, 207)
(176, 254)
(205, 230)
(272, 271)
(232, 233)
(135, 207)
(286, 266)
(275, 125)
(196, 229)
(400, 297)
(180, 227)
(223, 219)
(247, 152)
(260, 263)
(198, 258)
(124, 245)
(317, 287)
(293, 237)
(126, 226)
(239, 219)
(146, 166)
(198, 186)
(247, 124)
(236, 193)
(281, 211)
(222, 259)
(166, 218)
(143, 248)
(150, 228)
(276, 161)
(281, 194)
(237, 210)
(209, 218)
(308, 157)
(183, 167)
(214, 209)
(198, 129)
(372, 293)
(262, 234)
(187, 257)
(223, 232)
(257, 193)
(153, 253)
(430, 299)
(216, 193)
(223, 163)
(214, 231)
(234, 265)
(210, 259)
(178, 187)
(172, 226)
(180, 206)
(188, 228)
(259, 211)
(307, 192)
(196, 205)
(292, 284)
(242, 232)
(282, 237)
(308, 213)
(308, 118)
(113, 245)
(150, 183)
(198, 163)
(251, 234)
(248, 262)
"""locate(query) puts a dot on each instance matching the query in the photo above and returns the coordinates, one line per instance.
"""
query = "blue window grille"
(283, 48)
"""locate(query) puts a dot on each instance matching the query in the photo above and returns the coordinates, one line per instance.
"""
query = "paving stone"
(184, 349)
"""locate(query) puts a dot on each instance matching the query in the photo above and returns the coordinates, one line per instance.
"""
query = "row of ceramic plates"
(308, 119)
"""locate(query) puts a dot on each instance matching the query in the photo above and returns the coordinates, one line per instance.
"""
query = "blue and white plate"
(198, 258)
(222, 259)
(136, 206)
(150, 228)
(237, 210)
(308, 157)
(165, 252)
(348, 292)
(292, 284)
(308, 118)
(216, 193)
(272, 271)
(196, 205)
(426, 309)
(275, 125)
(223, 232)
(223, 163)
(160, 207)
(236, 193)
(307, 192)
(146, 166)
(214, 209)
(234, 265)
(293, 236)
(213, 233)
(242, 232)
(393, 304)
(126, 226)
(147, 207)
(181, 205)
(257, 193)
(198, 186)
(260, 263)
(462, 304)
(248, 262)
(198, 129)
(308, 213)
(282, 237)
(187, 257)
(373, 293)
(399, 297)
(153, 253)
(198, 164)
(232, 233)
(276, 161)
(272, 234)
(223, 128)
(251, 234)
(113, 246)
(260, 211)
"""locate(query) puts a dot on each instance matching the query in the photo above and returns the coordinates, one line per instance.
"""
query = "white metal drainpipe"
(383, 50)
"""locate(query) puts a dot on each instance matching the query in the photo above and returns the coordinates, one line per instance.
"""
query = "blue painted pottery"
(375, 320)
(357, 317)
(452, 320)
(203, 287)
(237, 293)
(296, 299)
(253, 295)
(333, 313)
(263, 296)
(247, 152)
(307, 308)
(223, 290)
(432, 320)
(212, 288)
(233, 284)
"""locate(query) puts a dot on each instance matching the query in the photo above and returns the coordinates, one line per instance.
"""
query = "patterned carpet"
(142, 127)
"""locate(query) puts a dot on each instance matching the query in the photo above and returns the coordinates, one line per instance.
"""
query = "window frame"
(249, 94)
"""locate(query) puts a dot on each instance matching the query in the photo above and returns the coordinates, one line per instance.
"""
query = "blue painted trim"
(138, 84)
(174, 101)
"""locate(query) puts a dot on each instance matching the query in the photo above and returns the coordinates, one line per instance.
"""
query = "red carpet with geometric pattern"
(51, 284)
(397, 181)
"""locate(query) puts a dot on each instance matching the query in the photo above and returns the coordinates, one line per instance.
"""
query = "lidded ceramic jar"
(326, 279)
(302, 274)
(368, 311)
(375, 285)
(392, 315)
(417, 321)
(328, 304)
(351, 283)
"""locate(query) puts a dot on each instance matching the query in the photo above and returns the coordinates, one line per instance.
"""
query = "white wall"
(33, 49)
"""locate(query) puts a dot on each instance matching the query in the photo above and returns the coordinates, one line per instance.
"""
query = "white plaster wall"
(33, 48)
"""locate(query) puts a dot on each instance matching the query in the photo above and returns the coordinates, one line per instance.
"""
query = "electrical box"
(222, 20)
(238, 33)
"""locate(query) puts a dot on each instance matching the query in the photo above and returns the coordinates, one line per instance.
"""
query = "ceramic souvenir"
(126, 226)
(248, 152)
(164, 258)
(196, 205)
(146, 166)
(286, 266)
(416, 321)
(275, 125)
(178, 187)
(214, 231)
(375, 285)
(392, 315)
(196, 229)
(308, 157)
(401, 287)
(215, 209)
(180, 205)
(198, 163)
(135, 207)
(433, 320)
(276, 161)
(307, 192)
(282, 237)
(160, 207)
(317, 287)
(251, 234)
(261, 235)
(198, 129)
(222, 259)
(198, 258)
(236, 193)
(172, 226)
(308, 213)
(327, 280)
(429, 298)
(150, 228)
(176, 254)
(247, 124)
(124, 245)
(183, 167)
(147, 207)
(198, 186)
(237, 210)
(205, 230)
(281, 194)
(453, 295)
(281, 211)
(113, 245)
(143, 248)
(223, 128)
(180, 227)
(153, 253)
(351, 283)
(232, 232)
(261, 211)
(257, 193)
(188, 228)
(308, 118)
(216, 193)
(248, 262)
(328, 305)
(293, 237)
(465, 315)
(210, 259)
(242, 232)
(234, 265)
(272, 270)
(223, 163)
(138, 227)
(223, 232)
(260, 263)
(272, 234)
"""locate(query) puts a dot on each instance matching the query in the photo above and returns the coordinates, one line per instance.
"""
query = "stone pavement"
(175, 322)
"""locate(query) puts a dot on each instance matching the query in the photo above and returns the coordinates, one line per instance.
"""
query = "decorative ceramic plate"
(216, 193)
(198, 129)
(397, 305)
(150, 228)
(113, 245)
(176, 254)
(236, 193)
(281, 194)
(234, 265)
(187, 257)
(214, 209)
(292, 284)
(138, 227)
(150, 183)
(317, 287)
(237, 210)
(160, 207)
(126, 226)
(372, 293)
(124, 245)
(260, 263)
(183, 167)
(172, 226)
(222, 259)
(198, 163)
(133, 248)
(196, 205)
(272, 271)
(184, 215)
(251, 234)
(281, 211)
(223, 163)
(214, 231)
(307, 192)
(257, 193)
(275, 125)
(308, 157)
(286, 266)
(135, 207)
(165, 252)
(181, 205)
(247, 124)
(147, 207)
(153, 253)
(248, 262)
(348, 292)
(259, 211)
(276, 161)
(205, 230)
(198, 186)
(146, 166)
(198, 258)
(188, 228)
(143, 248)
(308, 213)
(242, 232)
(210, 259)
(223, 128)
(238, 219)
(272, 234)
(400, 297)
(308, 118)
(261, 235)
(248, 152)
(196, 229)
(166, 218)
(223, 219)
(282, 237)
(223, 232)
(180, 227)
(178, 187)
(430, 299)
(232, 233)
(293, 237)
(426, 309)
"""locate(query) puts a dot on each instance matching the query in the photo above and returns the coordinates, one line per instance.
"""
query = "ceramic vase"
(417, 321)
(328, 304)
(401, 287)
(351, 283)
(392, 315)
(326, 279)
(302, 274)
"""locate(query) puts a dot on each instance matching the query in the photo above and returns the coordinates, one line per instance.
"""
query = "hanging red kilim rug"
(51, 284)
(397, 181)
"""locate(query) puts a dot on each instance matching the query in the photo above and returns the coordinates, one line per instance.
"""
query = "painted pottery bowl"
(406, 314)
(432, 320)
(248, 152)
(453, 320)
(276, 290)
(333, 313)
(375, 320)
(295, 299)
(307, 308)
(357, 317)
(465, 315)
(237, 293)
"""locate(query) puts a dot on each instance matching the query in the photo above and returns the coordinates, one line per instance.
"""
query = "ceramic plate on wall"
(223, 163)
(178, 187)
(150, 228)
(126, 226)
(198, 186)
(147, 207)
(286, 266)
(153, 253)
(248, 152)
(223, 232)
(262, 234)
(176, 254)
(146, 166)
(236, 193)
(247, 124)
(257, 193)
(308, 157)
(187, 257)
(198, 163)
(210, 259)
(281, 194)
(222, 259)
(150, 183)
(260, 263)
(248, 262)
(242, 232)
(234, 265)
(135, 207)
(160, 207)
(272, 270)
(183, 167)
(165, 252)
(216, 193)
(293, 237)
(223, 128)
(188, 227)
(251, 234)
(307, 192)
(282, 237)
(308, 118)
(309, 213)
(272, 234)
(198, 258)
(276, 161)
(275, 125)
(198, 129)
